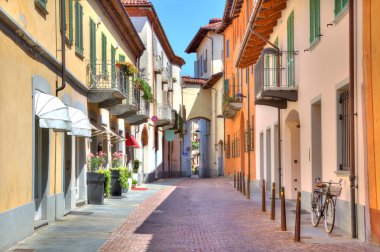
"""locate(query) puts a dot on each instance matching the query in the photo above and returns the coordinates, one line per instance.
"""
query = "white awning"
(113, 136)
(51, 111)
(80, 125)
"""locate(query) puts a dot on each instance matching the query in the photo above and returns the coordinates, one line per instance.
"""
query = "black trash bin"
(95, 188)
(116, 189)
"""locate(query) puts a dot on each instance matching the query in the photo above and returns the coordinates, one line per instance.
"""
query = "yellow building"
(45, 127)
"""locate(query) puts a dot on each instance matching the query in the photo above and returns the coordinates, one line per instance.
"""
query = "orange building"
(238, 107)
(371, 32)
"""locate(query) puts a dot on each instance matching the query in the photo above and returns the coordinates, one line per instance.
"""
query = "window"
(343, 130)
(113, 65)
(315, 23)
(247, 76)
(246, 140)
(92, 46)
(267, 71)
(227, 48)
(104, 54)
(228, 147)
(42, 3)
(78, 28)
(290, 58)
(340, 5)
(237, 147)
(205, 63)
(68, 20)
(121, 58)
(252, 135)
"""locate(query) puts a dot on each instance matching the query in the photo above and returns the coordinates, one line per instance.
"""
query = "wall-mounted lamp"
(98, 21)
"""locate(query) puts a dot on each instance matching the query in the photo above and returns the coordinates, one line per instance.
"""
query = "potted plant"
(144, 86)
(134, 183)
(119, 180)
(97, 178)
(127, 67)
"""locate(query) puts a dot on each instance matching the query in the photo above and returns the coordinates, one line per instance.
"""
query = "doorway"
(276, 159)
(268, 159)
(41, 172)
(293, 125)
(80, 165)
(220, 159)
(262, 155)
(67, 171)
(316, 141)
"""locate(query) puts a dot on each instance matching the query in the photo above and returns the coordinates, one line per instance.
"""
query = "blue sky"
(181, 20)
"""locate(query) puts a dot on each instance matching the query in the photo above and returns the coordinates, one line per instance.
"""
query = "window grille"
(344, 118)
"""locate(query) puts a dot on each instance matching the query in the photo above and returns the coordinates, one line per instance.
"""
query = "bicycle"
(323, 203)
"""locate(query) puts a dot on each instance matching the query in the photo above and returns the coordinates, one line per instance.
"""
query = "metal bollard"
(283, 210)
(235, 179)
(297, 231)
(273, 203)
(263, 207)
(243, 184)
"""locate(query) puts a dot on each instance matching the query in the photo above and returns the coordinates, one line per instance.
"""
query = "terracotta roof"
(226, 20)
(132, 7)
(213, 25)
(186, 79)
(212, 80)
(262, 21)
(236, 8)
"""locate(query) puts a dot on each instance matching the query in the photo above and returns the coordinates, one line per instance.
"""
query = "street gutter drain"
(80, 213)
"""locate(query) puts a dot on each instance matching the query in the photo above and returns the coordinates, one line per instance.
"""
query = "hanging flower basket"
(127, 67)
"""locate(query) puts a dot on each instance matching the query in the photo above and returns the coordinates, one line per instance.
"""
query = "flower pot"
(133, 185)
(116, 189)
(95, 188)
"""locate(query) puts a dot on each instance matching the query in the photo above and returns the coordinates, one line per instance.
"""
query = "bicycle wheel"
(329, 214)
(316, 209)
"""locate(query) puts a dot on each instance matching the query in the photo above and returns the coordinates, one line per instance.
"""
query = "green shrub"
(134, 182)
(136, 165)
(124, 175)
(107, 181)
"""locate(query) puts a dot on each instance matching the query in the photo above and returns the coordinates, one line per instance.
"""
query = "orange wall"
(371, 33)
(237, 126)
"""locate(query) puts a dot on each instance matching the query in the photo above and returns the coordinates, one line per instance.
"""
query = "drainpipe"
(63, 47)
(352, 117)
(249, 147)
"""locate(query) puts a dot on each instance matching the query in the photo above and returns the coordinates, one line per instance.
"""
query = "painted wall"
(371, 31)
(319, 83)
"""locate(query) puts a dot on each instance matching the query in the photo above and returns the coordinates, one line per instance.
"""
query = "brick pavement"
(208, 215)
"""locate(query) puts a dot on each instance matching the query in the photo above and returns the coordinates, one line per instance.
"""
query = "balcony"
(141, 115)
(107, 85)
(158, 65)
(164, 114)
(131, 104)
(165, 75)
(232, 102)
(172, 123)
(275, 82)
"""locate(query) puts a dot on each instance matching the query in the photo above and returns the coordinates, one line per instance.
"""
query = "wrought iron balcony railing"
(164, 114)
(275, 82)
(165, 75)
(107, 77)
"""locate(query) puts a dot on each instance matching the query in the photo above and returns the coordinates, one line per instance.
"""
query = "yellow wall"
(371, 32)
(197, 102)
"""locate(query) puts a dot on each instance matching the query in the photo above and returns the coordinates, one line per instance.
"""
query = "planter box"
(116, 189)
(95, 188)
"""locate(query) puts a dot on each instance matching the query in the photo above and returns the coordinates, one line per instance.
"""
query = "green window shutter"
(113, 66)
(315, 24)
(290, 48)
(71, 21)
(275, 60)
(247, 75)
(104, 54)
(226, 86)
(267, 71)
(43, 3)
(340, 5)
(121, 58)
(78, 28)
(92, 46)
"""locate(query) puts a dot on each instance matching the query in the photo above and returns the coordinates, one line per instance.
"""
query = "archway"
(144, 156)
(293, 147)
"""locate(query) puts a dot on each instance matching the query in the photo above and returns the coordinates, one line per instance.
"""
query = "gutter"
(352, 118)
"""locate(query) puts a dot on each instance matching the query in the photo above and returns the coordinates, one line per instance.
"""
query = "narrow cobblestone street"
(209, 215)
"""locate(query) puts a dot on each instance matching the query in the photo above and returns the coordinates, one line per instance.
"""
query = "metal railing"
(164, 112)
(144, 106)
(158, 65)
(108, 76)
